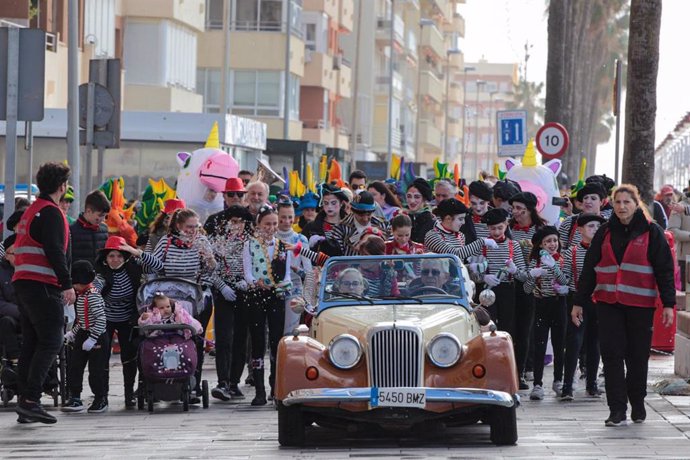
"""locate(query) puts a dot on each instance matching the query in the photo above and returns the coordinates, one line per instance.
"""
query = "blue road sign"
(512, 132)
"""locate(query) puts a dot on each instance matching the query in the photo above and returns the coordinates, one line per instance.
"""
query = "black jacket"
(658, 254)
(421, 223)
(328, 247)
(87, 241)
(8, 298)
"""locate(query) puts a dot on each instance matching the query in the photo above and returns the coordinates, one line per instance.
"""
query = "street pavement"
(547, 428)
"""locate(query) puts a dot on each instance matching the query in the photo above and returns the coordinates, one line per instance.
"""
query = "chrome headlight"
(444, 350)
(344, 351)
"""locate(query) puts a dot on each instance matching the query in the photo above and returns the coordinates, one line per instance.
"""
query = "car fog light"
(344, 351)
(312, 373)
(479, 371)
(444, 350)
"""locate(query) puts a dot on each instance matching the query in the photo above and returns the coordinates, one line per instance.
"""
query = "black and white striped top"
(441, 241)
(573, 270)
(94, 316)
(524, 238)
(543, 286)
(346, 234)
(183, 262)
(480, 228)
(497, 258)
(228, 253)
(569, 235)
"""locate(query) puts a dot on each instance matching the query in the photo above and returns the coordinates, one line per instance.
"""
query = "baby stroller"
(167, 361)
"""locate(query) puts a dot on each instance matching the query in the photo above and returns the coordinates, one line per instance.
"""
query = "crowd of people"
(603, 267)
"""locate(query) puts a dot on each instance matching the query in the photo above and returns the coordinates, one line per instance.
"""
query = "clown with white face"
(480, 201)
(590, 199)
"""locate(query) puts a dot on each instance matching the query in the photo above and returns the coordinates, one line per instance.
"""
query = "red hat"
(666, 190)
(234, 184)
(173, 205)
(114, 242)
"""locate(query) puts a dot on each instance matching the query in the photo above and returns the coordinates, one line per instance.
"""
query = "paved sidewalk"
(548, 428)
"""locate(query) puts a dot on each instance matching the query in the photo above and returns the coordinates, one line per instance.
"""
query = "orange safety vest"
(31, 262)
(630, 283)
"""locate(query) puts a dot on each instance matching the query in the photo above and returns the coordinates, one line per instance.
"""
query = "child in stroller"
(168, 354)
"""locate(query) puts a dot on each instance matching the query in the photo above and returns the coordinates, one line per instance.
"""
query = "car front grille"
(395, 357)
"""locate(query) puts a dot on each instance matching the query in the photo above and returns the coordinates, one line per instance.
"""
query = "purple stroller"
(167, 359)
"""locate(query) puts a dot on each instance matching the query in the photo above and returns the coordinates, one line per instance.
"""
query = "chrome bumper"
(444, 395)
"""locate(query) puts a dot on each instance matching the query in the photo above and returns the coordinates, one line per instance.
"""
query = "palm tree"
(527, 96)
(640, 100)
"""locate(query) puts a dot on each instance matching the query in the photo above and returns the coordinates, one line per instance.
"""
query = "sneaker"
(98, 406)
(594, 392)
(23, 419)
(73, 405)
(235, 392)
(638, 413)
(221, 392)
(33, 411)
(529, 376)
(130, 401)
(567, 394)
(194, 400)
(523, 385)
(557, 387)
(249, 380)
(537, 393)
(616, 418)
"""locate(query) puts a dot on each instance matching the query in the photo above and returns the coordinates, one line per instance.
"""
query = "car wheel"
(291, 430)
(504, 426)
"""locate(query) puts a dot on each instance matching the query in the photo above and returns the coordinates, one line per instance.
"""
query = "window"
(208, 85)
(310, 36)
(257, 93)
(214, 14)
(266, 15)
(294, 95)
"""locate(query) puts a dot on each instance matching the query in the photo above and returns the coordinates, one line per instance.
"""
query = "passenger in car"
(350, 281)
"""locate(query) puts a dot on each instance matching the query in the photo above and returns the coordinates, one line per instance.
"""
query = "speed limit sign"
(552, 140)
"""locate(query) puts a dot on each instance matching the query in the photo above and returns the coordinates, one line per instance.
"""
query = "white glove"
(69, 336)
(536, 272)
(548, 261)
(491, 244)
(88, 344)
(242, 285)
(474, 267)
(228, 293)
(316, 239)
(491, 280)
(562, 290)
(512, 268)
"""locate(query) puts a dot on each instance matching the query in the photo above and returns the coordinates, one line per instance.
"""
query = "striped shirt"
(568, 230)
(572, 269)
(184, 261)
(543, 286)
(480, 227)
(524, 237)
(119, 306)
(497, 258)
(90, 313)
(348, 233)
(442, 241)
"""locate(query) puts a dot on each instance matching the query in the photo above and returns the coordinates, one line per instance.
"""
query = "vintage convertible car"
(395, 342)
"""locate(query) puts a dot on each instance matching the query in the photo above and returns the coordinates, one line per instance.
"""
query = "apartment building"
(488, 88)
(672, 156)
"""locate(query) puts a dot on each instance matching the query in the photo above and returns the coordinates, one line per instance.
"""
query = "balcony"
(440, 7)
(319, 72)
(455, 93)
(190, 13)
(430, 86)
(429, 135)
(318, 132)
(454, 129)
(344, 79)
(412, 5)
(383, 31)
(432, 41)
(458, 22)
(347, 14)
(382, 85)
(330, 7)
(456, 60)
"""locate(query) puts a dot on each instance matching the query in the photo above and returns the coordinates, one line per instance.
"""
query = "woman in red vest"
(628, 264)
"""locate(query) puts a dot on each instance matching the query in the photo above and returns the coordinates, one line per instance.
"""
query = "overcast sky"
(498, 29)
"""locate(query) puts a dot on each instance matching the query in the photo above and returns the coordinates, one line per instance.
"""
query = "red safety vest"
(630, 283)
(31, 262)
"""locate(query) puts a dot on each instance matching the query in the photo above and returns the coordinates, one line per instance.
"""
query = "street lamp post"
(422, 23)
(480, 83)
(464, 116)
(390, 88)
(448, 75)
(490, 148)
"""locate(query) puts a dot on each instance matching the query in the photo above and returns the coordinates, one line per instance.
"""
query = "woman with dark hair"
(387, 201)
(418, 195)
(524, 223)
(627, 267)
(318, 232)
(159, 227)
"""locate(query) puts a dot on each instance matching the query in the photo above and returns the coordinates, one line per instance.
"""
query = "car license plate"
(398, 397)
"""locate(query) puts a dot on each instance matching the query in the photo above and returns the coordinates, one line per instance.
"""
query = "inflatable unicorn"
(203, 174)
(538, 179)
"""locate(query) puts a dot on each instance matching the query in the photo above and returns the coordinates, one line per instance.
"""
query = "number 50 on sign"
(552, 140)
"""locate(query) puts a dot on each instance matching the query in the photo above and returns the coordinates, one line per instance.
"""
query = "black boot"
(130, 400)
(259, 385)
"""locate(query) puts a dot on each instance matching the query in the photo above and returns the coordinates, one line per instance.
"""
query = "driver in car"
(435, 273)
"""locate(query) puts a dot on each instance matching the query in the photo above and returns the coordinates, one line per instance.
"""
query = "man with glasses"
(358, 180)
(233, 194)
(245, 176)
(444, 190)
(348, 233)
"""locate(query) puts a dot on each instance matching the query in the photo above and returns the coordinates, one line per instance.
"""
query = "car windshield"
(392, 279)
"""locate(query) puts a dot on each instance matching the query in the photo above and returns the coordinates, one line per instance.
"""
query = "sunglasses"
(362, 212)
(234, 194)
(351, 283)
(432, 272)
(358, 187)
